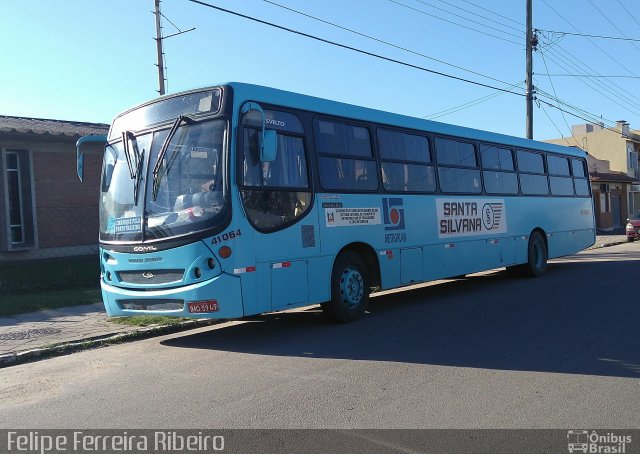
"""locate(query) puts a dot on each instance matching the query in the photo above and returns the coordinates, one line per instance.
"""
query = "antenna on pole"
(158, 39)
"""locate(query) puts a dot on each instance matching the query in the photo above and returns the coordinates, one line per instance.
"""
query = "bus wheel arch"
(355, 270)
(537, 256)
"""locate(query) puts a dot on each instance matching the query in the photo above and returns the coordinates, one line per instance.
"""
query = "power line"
(473, 21)
(382, 41)
(556, 96)
(622, 38)
(621, 95)
(584, 114)
(354, 49)
(628, 12)
(594, 84)
(454, 23)
(614, 25)
(556, 126)
(588, 75)
(476, 15)
(493, 12)
(594, 44)
(576, 115)
(467, 105)
(577, 64)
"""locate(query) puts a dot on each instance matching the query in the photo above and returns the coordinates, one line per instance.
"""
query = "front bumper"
(224, 289)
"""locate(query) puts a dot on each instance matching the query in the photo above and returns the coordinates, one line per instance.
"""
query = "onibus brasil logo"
(594, 442)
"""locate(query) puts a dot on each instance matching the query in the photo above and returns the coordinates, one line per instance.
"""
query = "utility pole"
(158, 39)
(529, 79)
(159, 48)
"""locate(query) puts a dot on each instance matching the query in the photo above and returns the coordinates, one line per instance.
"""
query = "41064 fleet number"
(226, 236)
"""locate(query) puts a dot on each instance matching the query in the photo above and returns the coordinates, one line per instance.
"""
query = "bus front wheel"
(537, 257)
(350, 286)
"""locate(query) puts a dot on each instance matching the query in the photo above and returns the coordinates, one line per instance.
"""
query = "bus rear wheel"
(350, 286)
(537, 257)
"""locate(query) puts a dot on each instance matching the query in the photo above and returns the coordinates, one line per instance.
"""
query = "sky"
(89, 60)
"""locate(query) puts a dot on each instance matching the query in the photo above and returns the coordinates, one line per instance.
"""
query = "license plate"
(200, 307)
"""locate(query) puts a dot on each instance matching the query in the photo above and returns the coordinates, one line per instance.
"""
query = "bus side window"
(580, 180)
(275, 194)
(533, 177)
(406, 160)
(457, 166)
(345, 157)
(498, 170)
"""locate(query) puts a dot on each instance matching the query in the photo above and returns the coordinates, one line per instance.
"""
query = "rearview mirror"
(80, 154)
(269, 148)
(268, 139)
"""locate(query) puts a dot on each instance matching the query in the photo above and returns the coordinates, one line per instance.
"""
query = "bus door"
(277, 198)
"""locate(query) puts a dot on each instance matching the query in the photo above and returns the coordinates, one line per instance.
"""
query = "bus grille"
(151, 276)
(152, 305)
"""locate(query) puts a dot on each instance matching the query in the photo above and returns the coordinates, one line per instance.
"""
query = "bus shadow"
(565, 322)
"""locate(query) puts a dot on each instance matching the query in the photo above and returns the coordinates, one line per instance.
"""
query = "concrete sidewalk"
(30, 336)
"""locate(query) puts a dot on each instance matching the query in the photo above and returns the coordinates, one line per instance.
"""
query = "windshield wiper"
(157, 174)
(134, 162)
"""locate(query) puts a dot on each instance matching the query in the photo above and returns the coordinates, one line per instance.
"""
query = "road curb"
(603, 245)
(65, 348)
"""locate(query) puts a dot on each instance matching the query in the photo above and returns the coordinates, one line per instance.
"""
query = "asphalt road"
(561, 351)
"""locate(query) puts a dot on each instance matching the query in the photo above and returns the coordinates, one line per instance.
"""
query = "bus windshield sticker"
(124, 225)
(468, 217)
(344, 217)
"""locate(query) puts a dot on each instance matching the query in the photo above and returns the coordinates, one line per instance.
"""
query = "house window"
(19, 210)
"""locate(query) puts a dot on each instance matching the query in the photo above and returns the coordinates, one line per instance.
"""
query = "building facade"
(45, 211)
(614, 170)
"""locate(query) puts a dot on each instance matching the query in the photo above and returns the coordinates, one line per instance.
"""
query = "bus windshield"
(185, 194)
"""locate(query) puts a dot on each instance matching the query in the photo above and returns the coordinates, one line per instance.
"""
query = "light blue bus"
(239, 199)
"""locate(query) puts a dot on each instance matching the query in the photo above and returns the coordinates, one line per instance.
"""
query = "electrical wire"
(373, 38)
(454, 23)
(589, 39)
(467, 105)
(577, 112)
(588, 75)
(473, 21)
(493, 12)
(621, 96)
(476, 15)
(584, 35)
(556, 126)
(615, 26)
(354, 49)
(556, 94)
(628, 12)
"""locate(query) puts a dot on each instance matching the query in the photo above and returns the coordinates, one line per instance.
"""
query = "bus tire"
(537, 257)
(350, 286)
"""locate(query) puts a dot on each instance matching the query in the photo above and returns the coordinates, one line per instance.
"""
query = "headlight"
(629, 226)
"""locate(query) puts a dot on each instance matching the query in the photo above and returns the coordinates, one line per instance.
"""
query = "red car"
(633, 227)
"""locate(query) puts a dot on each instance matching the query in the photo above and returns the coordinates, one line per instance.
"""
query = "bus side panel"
(390, 268)
(319, 279)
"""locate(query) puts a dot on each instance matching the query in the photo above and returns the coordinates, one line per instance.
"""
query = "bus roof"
(243, 92)
(249, 92)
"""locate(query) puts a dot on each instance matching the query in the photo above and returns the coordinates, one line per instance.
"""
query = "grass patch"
(20, 303)
(147, 320)
(51, 274)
